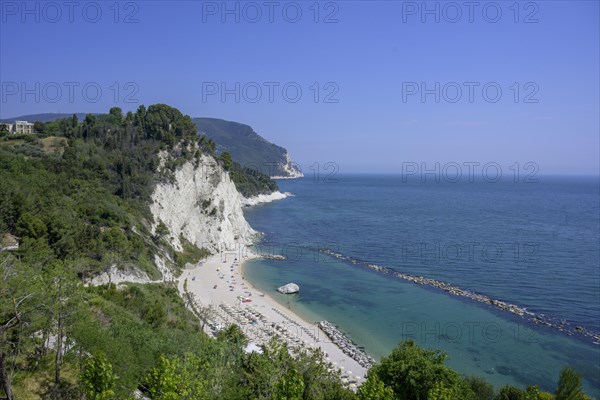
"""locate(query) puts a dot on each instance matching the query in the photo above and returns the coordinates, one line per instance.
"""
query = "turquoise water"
(534, 245)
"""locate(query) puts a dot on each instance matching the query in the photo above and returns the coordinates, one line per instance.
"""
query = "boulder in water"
(289, 288)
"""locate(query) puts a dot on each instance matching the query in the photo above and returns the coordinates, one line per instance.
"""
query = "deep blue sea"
(536, 245)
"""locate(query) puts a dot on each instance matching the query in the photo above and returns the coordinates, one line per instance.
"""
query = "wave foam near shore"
(265, 198)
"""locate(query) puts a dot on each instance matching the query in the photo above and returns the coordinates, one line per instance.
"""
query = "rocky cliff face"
(202, 205)
(288, 169)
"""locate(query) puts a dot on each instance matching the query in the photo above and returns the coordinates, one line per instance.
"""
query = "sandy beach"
(218, 281)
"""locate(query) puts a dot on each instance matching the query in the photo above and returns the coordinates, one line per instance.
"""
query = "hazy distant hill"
(47, 117)
(247, 147)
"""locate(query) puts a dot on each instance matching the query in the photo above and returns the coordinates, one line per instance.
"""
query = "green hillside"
(246, 146)
(76, 199)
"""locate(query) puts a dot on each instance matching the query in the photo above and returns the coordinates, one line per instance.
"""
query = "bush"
(414, 373)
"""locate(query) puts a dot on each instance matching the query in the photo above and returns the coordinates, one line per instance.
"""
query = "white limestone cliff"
(291, 169)
(201, 204)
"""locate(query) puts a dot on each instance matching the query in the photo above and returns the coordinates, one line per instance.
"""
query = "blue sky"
(374, 58)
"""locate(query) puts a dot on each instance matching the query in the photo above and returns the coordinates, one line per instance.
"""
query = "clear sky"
(379, 81)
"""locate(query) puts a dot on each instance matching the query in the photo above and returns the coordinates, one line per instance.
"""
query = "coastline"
(219, 283)
(265, 198)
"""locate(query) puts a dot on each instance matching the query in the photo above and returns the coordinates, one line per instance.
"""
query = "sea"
(534, 244)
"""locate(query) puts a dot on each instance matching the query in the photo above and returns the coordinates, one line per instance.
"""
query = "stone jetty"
(538, 319)
(349, 348)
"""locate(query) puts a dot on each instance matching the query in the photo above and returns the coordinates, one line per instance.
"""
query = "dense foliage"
(250, 182)
(413, 373)
(80, 191)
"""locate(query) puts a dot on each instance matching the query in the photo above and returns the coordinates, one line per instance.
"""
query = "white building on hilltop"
(20, 127)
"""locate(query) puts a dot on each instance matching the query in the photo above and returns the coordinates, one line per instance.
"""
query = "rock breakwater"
(538, 319)
(346, 345)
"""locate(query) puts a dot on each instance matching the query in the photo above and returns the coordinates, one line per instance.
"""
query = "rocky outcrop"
(289, 288)
(289, 170)
(162, 267)
(8, 242)
(202, 205)
(115, 275)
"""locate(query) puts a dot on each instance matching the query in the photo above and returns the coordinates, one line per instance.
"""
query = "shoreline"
(330, 330)
(265, 198)
(242, 268)
(218, 285)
